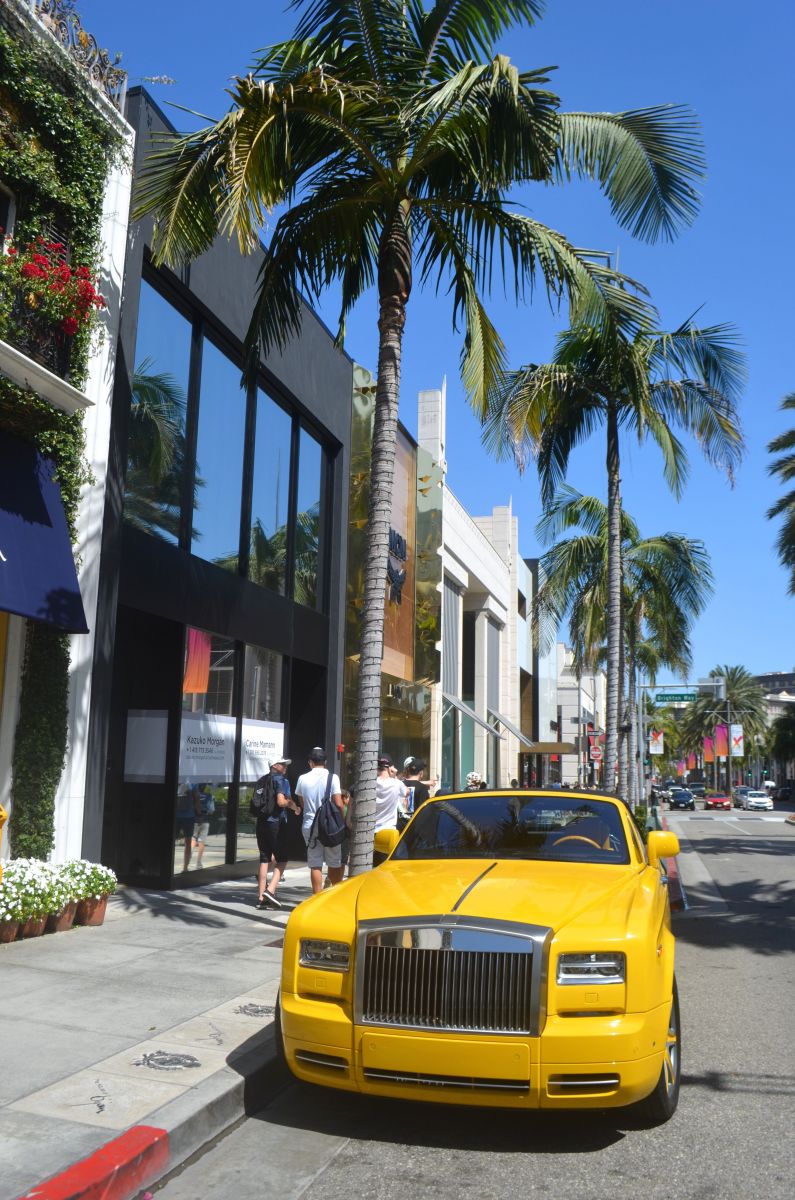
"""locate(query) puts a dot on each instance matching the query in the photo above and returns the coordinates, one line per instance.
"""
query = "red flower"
(69, 326)
(65, 272)
(12, 250)
(32, 271)
(41, 260)
(82, 273)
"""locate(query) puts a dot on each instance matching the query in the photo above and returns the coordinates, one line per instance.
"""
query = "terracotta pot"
(58, 922)
(91, 911)
(34, 926)
(8, 931)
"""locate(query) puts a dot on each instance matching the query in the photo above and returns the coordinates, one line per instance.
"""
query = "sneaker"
(261, 903)
(271, 900)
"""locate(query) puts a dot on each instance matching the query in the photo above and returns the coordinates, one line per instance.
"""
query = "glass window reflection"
(262, 716)
(270, 496)
(156, 440)
(219, 460)
(307, 522)
(206, 751)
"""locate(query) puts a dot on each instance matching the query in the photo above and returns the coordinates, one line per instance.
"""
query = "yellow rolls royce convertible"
(514, 950)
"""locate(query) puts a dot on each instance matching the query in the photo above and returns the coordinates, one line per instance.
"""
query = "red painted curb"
(117, 1171)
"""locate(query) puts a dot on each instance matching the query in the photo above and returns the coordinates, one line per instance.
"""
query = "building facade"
(580, 721)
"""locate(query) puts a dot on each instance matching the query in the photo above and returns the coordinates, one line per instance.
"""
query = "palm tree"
(648, 383)
(392, 134)
(742, 700)
(155, 452)
(666, 581)
(784, 468)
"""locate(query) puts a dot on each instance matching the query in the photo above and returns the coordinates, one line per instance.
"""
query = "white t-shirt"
(311, 787)
(389, 793)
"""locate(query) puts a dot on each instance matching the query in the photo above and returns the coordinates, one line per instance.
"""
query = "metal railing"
(62, 22)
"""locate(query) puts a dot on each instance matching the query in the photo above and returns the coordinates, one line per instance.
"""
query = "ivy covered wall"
(56, 149)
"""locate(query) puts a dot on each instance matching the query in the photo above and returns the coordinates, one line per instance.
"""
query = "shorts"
(317, 855)
(272, 839)
(200, 830)
(185, 827)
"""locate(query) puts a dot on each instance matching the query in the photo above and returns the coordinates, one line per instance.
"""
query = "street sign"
(596, 753)
(674, 697)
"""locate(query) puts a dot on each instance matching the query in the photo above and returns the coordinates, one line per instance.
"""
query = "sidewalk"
(153, 1029)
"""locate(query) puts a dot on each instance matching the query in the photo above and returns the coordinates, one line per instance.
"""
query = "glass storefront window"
(270, 496)
(307, 528)
(206, 751)
(219, 460)
(156, 441)
(263, 737)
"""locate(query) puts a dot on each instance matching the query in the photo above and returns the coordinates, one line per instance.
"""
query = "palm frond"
(453, 31)
(648, 161)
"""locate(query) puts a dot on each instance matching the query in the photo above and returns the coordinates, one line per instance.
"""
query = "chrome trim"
(466, 1083)
(462, 943)
(315, 966)
(584, 1083)
(321, 1060)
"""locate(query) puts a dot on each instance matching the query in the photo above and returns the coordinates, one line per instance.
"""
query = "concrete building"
(580, 720)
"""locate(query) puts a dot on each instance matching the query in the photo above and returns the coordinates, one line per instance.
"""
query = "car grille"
(469, 990)
(468, 979)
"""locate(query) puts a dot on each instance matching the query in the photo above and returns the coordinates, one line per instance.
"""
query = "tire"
(660, 1106)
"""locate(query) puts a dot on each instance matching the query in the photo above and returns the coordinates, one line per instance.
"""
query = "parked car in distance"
(739, 793)
(783, 793)
(717, 801)
(682, 798)
(514, 951)
(757, 802)
(699, 790)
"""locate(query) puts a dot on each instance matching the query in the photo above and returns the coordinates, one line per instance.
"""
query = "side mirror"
(386, 840)
(661, 845)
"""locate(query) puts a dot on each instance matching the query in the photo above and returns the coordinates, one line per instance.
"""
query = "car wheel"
(660, 1106)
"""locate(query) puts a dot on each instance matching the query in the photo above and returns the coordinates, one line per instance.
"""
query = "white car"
(757, 801)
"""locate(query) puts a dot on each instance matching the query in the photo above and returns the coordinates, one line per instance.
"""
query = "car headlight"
(327, 956)
(592, 968)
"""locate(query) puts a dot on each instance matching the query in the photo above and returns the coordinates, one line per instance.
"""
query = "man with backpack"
(270, 804)
(323, 824)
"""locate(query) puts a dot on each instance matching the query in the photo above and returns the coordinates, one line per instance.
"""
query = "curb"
(145, 1154)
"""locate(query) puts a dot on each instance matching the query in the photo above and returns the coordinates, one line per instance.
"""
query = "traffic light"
(764, 771)
(748, 773)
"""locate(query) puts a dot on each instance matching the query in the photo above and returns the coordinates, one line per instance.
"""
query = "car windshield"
(756, 795)
(509, 825)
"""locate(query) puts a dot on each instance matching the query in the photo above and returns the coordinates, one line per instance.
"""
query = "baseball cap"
(285, 761)
(384, 760)
(414, 764)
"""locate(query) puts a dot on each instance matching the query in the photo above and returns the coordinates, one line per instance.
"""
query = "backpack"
(328, 827)
(263, 799)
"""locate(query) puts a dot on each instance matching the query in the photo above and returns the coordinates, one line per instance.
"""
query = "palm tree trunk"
(632, 706)
(394, 278)
(621, 786)
(613, 598)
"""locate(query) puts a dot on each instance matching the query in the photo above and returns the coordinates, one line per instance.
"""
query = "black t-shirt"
(421, 791)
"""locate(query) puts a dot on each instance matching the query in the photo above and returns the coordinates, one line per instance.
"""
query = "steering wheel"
(577, 837)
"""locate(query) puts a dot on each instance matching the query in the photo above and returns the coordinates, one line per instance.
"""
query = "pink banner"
(197, 663)
(709, 750)
(721, 741)
(680, 766)
(691, 762)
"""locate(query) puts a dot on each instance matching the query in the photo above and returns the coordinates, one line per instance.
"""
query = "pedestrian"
(390, 795)
(272, 833)
(419, 790)
(347, 801)
(311, 790)
(187, 813)
(205, 805)
(514, 784)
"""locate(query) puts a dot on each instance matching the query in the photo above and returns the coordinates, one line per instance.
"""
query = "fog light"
(328, 956)
(592, 968)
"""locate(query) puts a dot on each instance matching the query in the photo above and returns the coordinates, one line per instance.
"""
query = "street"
(729, 1137)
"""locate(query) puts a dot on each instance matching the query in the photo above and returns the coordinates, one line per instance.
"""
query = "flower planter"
(8, 931)
(65, 919)
(91, 911)
(34, 927)
(41, 340)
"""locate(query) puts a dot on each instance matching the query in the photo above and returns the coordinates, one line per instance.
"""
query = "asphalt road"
(731, 1138)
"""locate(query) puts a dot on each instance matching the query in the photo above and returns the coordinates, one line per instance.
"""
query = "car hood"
(533, 893)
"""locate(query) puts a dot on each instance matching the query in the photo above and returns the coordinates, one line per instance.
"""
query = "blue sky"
(732, 63)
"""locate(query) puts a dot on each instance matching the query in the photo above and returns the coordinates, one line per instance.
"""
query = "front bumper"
(577, 1062)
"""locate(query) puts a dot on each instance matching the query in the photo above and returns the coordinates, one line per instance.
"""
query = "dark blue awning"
(37, 571)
